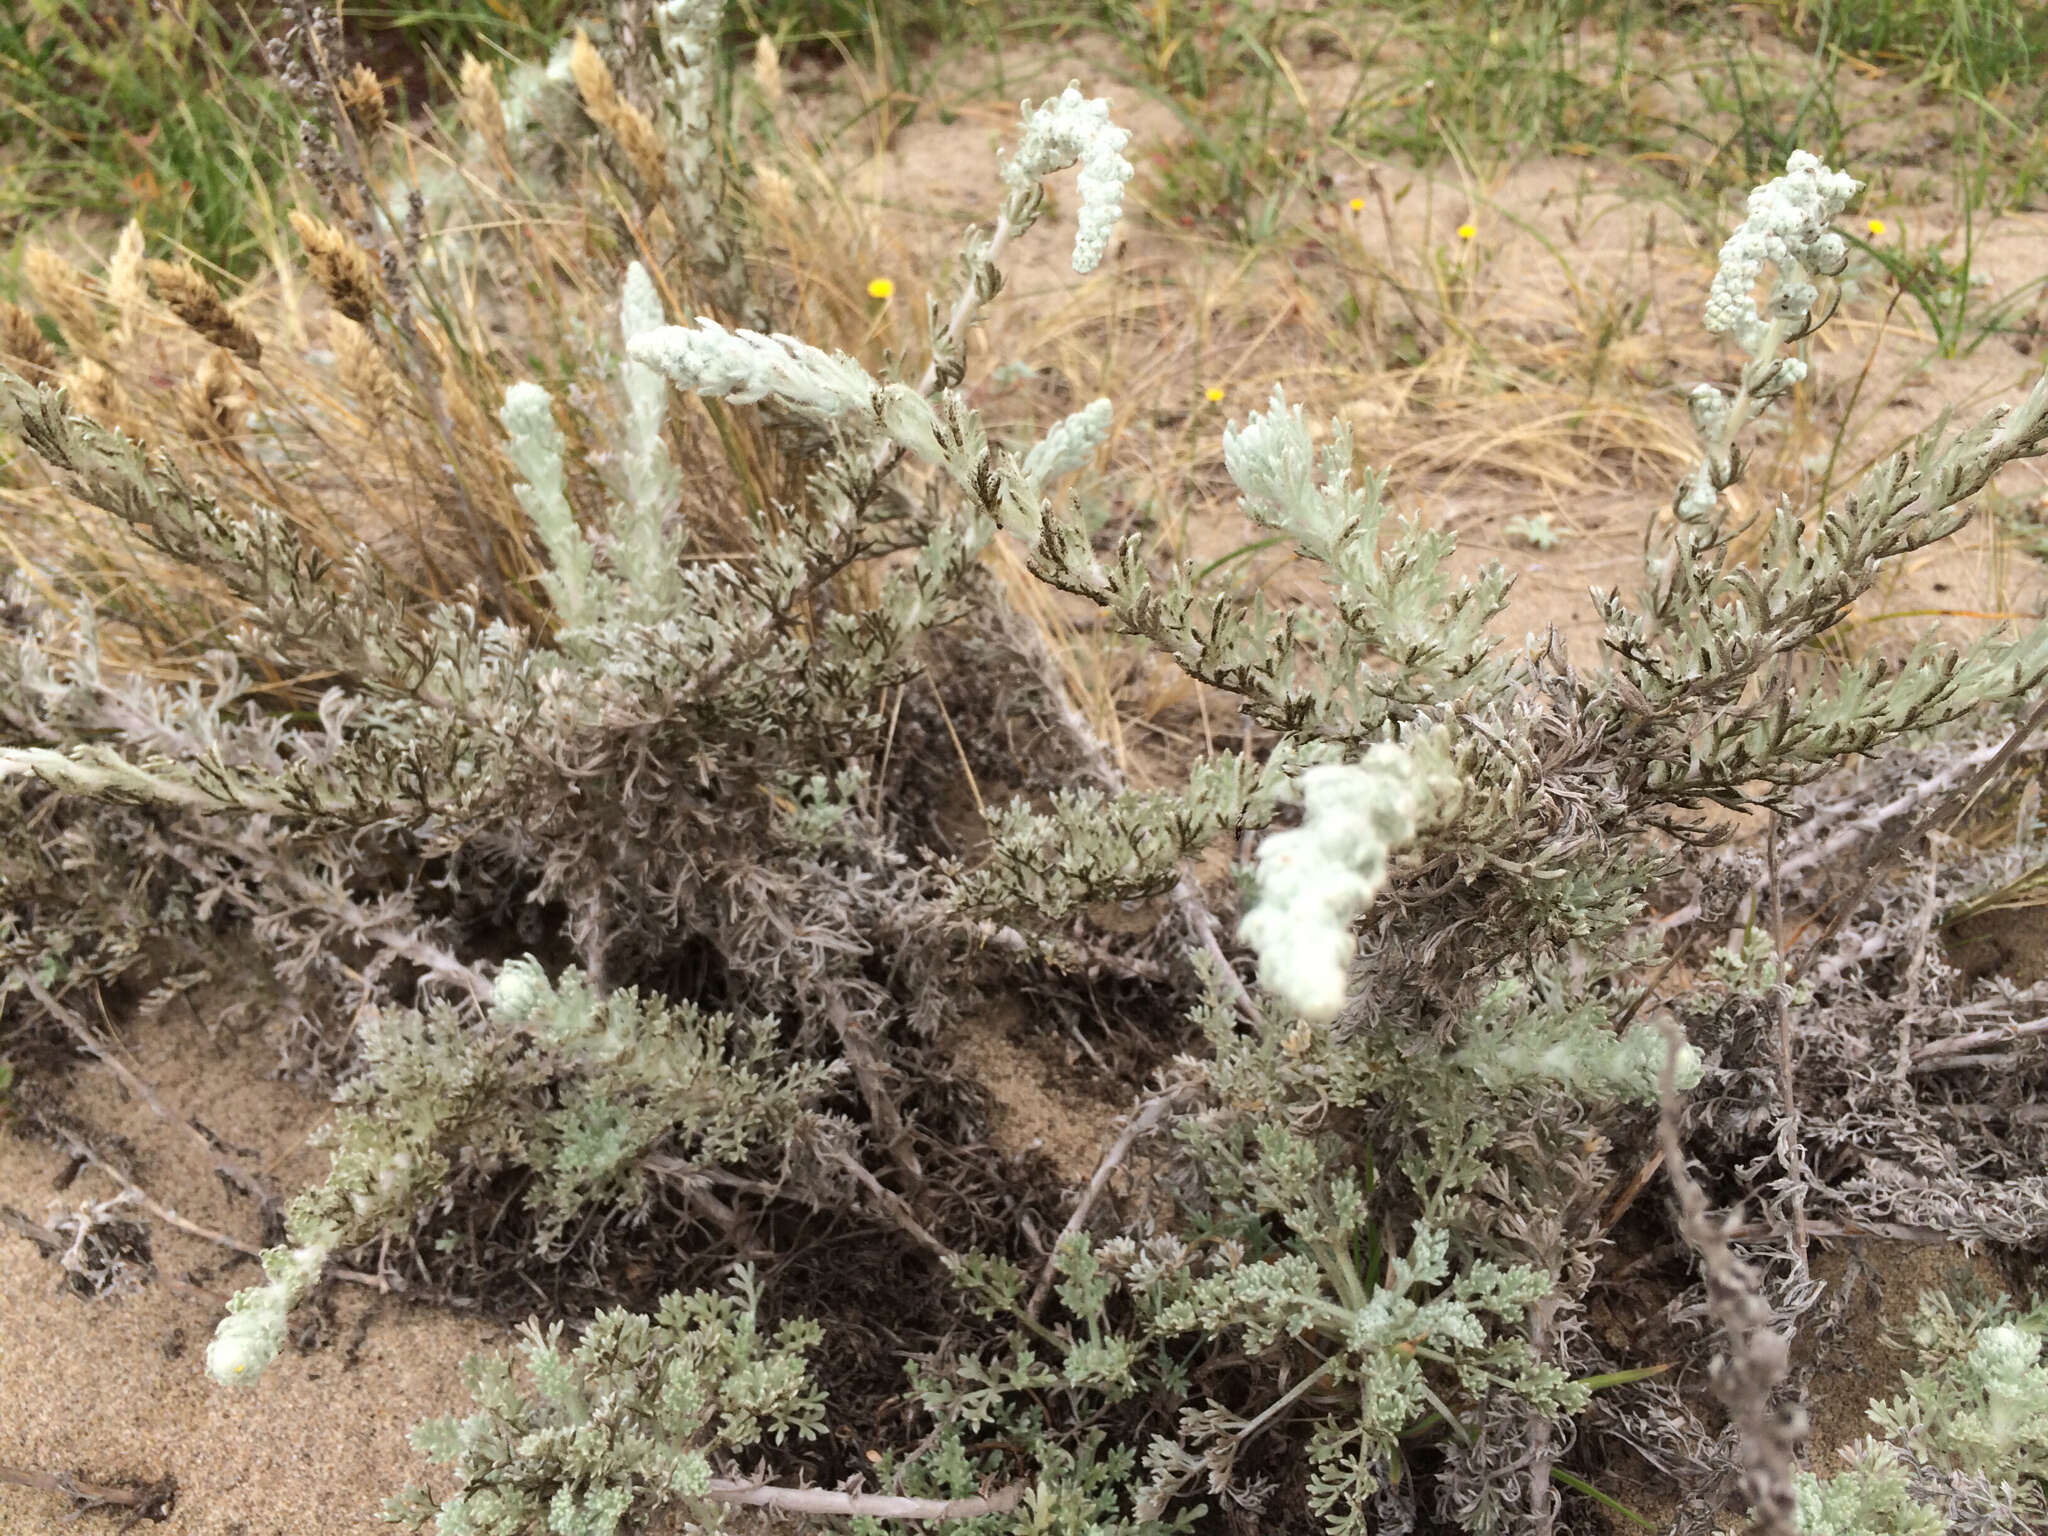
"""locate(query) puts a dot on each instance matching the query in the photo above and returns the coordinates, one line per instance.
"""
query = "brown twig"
(1886, 846)
(85, 1152)
(866, 1062)
(149, 1501)
(1635, 1187)
(873, 1506)
(1145, 1120)
(89, 1039)
(1956, 1044)
(1758, 1357)
(893, 1205)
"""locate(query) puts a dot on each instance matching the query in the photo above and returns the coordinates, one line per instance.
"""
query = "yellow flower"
(1358, 205)
(880, 288)
(1467, 231)
(1213, 393)
(1875, 226)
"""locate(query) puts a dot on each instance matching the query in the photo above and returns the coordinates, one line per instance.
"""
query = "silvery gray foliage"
(1380, 1198)
(623, 1423)
(1963, 1447)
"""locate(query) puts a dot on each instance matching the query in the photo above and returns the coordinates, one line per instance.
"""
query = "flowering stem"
(955, 334)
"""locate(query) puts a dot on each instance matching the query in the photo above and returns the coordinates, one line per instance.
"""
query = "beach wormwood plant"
(1383, 1172)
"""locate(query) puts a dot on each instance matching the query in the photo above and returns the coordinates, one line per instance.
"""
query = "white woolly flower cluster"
(1788, 227)
(520, 986)
(252, 1333)
(2003, 1357)
(1068, 444)
(650, 485)
(746, 366)
(1314, 880)
(688, 30)
(1069, 128)
(535, 446)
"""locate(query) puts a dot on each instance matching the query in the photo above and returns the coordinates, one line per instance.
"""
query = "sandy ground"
(112, 1390)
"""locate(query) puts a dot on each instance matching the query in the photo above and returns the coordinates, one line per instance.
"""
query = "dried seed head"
(96, 393)
(23, 344)
(364, 373)
(60, 289)
(625, 124)
(775, 193)
(125, 287)
(482, 108)
(768, 70)
(342, 268)
(362, 98)
(211, 405)
(191, 298)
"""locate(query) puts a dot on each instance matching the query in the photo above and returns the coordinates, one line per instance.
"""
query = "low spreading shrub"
(605, 884)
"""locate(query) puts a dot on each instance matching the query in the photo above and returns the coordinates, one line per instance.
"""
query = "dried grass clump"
(61, 293)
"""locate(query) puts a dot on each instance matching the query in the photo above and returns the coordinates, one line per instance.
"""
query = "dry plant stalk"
(342, 268)
(625, 124)
(1758, 1356)
(192, 299)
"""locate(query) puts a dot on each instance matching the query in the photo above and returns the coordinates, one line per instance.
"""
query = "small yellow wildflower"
(1875, 226)
(880, 288)
(1213, 393)
(1467, 231)
(1358, 205)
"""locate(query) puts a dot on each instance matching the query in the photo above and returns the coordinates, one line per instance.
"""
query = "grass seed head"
(622, 122)
(342, 268)
(362, 98)
(192, 299)
(362, 369)
(768, 70)
(22, 342)
(481, 108)
(125, 286)
(60, 290)
(211, 405)
(97, 393)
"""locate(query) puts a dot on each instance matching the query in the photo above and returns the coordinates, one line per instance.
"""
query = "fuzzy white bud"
(650, 485)
(1787, 227)
(535, 446)
(252, 1333)
(1057, 134)
(519, 988)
